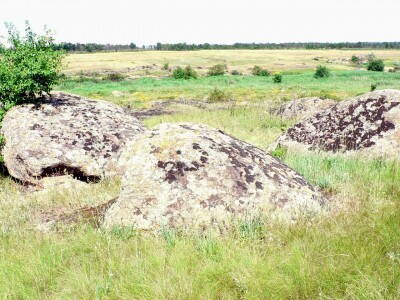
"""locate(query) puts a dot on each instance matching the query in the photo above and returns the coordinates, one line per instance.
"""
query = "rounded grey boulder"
(66, 134)
(367, 124)
(193, 176)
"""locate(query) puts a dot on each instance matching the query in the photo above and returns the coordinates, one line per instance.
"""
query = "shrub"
(187, 73)
(376, 65)
(322, 72)
(166, 67)
(190, 73)
(258, 71)
(355, 60)
(217, 95)
(179, 73)
(29, 68)
(114, 77)
(373, 86)
(277, 78)
(236, 72)
(217, 70)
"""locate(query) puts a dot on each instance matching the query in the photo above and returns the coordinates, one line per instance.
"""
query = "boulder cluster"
(188, 175)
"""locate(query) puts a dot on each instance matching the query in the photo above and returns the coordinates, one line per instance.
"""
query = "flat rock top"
(66, 133)
(187, 175)
(370, 121)
(303, 107)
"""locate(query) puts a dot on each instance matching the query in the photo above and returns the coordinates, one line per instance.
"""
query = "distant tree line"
(94, 47)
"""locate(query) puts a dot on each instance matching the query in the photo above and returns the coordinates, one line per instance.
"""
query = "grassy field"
(353, 254)
(340, 85)
(151, 62)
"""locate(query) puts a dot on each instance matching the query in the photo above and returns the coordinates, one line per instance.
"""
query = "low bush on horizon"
(258, 71)
(322, 72)
(277, 78)
(114, 77)
(184, 73)
(217, 70)
(218, 95)
(376, 65)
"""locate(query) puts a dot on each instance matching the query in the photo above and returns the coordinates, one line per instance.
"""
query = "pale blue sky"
(213, 21)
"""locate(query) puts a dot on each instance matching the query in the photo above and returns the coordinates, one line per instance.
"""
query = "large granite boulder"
(367, 124)
(193, 176)
(66, 134)
(303, 108)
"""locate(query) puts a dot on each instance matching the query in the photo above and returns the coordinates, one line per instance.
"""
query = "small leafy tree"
(217, 70)
(322, 72)
(376, 65)
(29, 68)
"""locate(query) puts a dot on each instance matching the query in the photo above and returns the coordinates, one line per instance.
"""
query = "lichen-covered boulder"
(193, 176)
(367, 124)
(303, 107)
(66, 134)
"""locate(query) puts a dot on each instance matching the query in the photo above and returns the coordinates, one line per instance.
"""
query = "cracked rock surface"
(193, 176)
(369, 123)
(66, 134)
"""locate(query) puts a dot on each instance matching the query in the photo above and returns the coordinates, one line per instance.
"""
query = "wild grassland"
(241, 60)
(353, 254)
(340, 85)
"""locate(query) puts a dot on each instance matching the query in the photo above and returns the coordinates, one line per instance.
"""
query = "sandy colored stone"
(193, 176)
(303, 108)
(368, 124)
(66, 134)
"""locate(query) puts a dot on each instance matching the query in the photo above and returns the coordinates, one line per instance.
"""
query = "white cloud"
(214, 21)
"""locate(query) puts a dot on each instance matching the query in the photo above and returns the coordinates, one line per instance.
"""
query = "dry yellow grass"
(241, 60)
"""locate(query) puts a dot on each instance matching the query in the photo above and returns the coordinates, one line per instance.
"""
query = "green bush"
(29, 68)
(217, 70)
(236, 72)
(355, 60)
(258, 71)
(179, 73)
(190, 73)
(277, 78)
(376, 65)
(166, 67)
(373, 86)
(217, 95)
(114, 77)
(186, 73)
(322, 72)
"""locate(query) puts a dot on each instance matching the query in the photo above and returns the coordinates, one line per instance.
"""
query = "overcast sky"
(213, 21)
